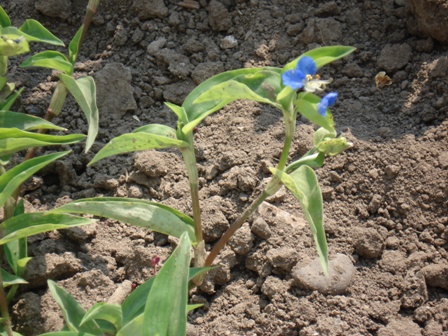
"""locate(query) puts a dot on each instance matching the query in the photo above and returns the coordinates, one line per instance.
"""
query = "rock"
(368, 243)
(393, 57)
(329, 30)
(275, 216)
(436, 275)
(150, 9)
(155, 46)
(261, 229)
(114, 92)
(215, 222)
(218, 16)
(178, 64)
(415, 293)
(400, 327)
(431, 18)
(242, 241)
(341, 275)
(283, 259)
(393, 261)
(61, 9)
(327, 9)
(273, 285)
(177, 92)
(257, 262)
(228, 42)
(51, 266)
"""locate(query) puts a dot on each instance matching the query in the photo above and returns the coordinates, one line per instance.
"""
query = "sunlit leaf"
(49, 59)
(84, 91)
(323, 55)
(307, 106)
(5, 21)
(34, 31)
(10, 279)
(12, 44)
(25, 122)
(73, 47)
(143, 213)
(303, 184)
(30, 224)
(105, 311)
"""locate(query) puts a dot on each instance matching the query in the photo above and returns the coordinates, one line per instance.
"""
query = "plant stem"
(272, 187)
(90, 12)
(4, 309)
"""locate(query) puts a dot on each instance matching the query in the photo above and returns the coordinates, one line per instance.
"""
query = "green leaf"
(333, 146)
(323, 55)
(5, 104)
(12, 44)
(303, 184)
(68, 333)
(3, 332)
(25, 122)
(9, 279)
(13, 178)
(49, 59)
(191, 307)
(179, 111)
(72, 311)
(150, 215)
(13, 140)
(73, 47)
(84, 91)
(134, 327)
(38, 222)
(158, 129)
(5, 21)
(105, 311)
(166, 307)
(312, 158)
(134, 304)
(307, 106)
(34, 31)
(136, 141)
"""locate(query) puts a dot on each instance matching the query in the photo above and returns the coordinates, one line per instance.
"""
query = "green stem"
(192, 171)
(272, 187)
(4, 309)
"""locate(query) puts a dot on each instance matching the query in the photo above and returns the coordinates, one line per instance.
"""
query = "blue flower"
(325, 102)
(304, 76)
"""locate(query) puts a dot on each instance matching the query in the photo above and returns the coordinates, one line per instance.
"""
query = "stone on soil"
(341, 275)
(400, 327)
(61, 9)
(436, 275)
(393, 57)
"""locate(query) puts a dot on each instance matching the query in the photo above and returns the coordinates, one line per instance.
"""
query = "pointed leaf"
(49, 59)
(105, 311)
(38, 222)
(36, 32)
(313, 159)
(13, 178)
(25, 122)
(303, 184)
(134, 304)
(13, 140)
(72, 311)
(151, 215)
(9, 279)
(73, 47)
(323, 55)
(84, 91)
(191, 307)
(5, 21)
(178, 110)
(166, 307)
(133, 142)
(68, 333)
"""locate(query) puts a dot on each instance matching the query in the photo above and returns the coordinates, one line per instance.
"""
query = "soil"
(385, 199)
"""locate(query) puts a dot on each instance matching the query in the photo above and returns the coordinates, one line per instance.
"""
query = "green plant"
(157, 307)
(17, 133)
(274, 86)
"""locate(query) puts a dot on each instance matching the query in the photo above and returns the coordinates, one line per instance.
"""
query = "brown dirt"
(385, 199)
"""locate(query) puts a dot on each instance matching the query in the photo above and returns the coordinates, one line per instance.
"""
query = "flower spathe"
(304, 76)
(327, 100)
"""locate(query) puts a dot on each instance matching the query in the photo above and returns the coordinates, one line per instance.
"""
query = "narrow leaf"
(73, 47)
(178, 110)
(68, 333)
(166, 307)
(132, 142)
(312, 158)
(5, 21)
(134, 304)
(158, 129)
(25, 122)
(303, 184)
(9, 101)
(323, 55)
(38, 222)
(36, 32)
(150, 215)
(105, 311)
(13, 140)
(9, 279)
(49, 59)
(84, 91)
(134, 327)
(13, 178)
(72, 311)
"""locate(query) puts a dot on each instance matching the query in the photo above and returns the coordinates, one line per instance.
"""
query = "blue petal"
(307, 65)
(293, 78)
(326, 101)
